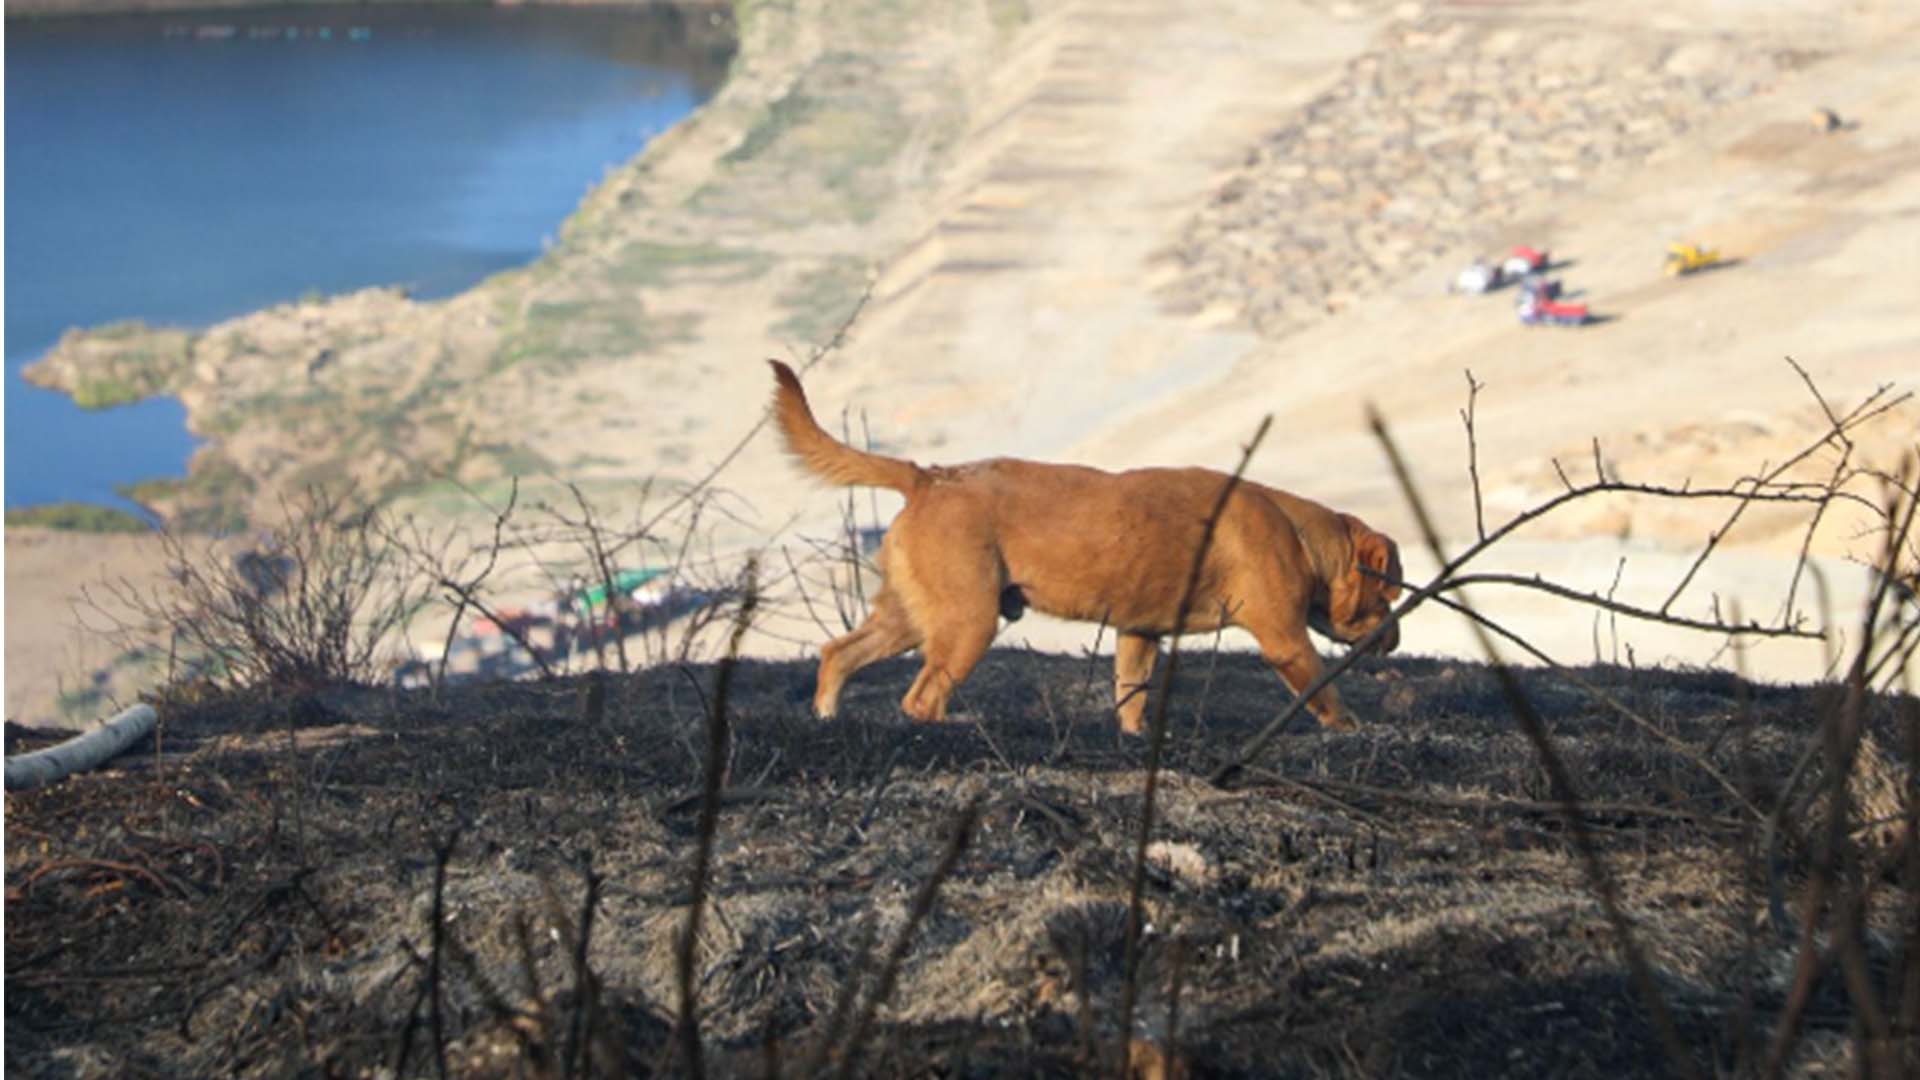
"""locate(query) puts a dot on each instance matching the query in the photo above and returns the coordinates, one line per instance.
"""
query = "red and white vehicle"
(1523, 260)
(1540, 303)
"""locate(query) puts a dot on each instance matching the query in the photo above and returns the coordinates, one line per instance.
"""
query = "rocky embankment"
(1453, 131)
(115, 365)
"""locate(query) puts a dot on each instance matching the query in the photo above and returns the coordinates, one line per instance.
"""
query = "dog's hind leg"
(958, 634)
(1133, 659)
(887, 632)
(952, 652)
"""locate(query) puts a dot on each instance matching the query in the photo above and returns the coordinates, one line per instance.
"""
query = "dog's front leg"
(1133, 658)
(1292, 654)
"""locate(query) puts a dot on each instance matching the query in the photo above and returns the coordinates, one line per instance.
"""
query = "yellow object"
(1687, 258)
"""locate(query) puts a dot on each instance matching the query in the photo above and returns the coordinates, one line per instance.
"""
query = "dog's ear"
(1375, 553)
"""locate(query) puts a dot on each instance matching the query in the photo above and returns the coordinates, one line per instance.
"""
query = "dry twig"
(1564, 791)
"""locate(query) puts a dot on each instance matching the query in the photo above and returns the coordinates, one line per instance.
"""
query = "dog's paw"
(1343, 723)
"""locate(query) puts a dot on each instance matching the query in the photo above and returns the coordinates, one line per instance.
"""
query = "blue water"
(160, 171)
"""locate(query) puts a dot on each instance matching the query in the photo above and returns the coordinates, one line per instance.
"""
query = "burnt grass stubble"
(254, 894)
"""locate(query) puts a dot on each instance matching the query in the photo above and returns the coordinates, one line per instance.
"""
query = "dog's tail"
(827, 457)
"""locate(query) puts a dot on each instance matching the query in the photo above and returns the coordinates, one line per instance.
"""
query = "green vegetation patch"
(442, 499)
(515, 459)
(646, 263)
(826, 142)
(560, 335)
(781, 117)
(474, 501)
(81, 703)
(819, 301)
(589, 461)
(116, 364)
(78, 517)
(89, 702)
(104, 392)
(211, 499)
(1008, 16)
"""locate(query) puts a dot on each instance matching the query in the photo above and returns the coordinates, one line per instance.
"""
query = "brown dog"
(1102, 547)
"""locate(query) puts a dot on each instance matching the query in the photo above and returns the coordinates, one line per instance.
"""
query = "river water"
(184, 168)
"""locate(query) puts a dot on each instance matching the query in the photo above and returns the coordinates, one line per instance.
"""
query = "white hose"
(87, 750)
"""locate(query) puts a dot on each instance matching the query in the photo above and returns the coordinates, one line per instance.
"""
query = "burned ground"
(255, 894)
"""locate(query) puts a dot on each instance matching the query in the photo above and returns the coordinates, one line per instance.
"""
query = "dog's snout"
(1388, 641)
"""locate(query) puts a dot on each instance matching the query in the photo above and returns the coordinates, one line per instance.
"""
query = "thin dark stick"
(604, 563)
(718, 737)
(506, 626)
(806, 600)
(585, 997)
(1754, 872)
(816, 1060)
(1598, 879)
(1473, 455)
(403, 1053)
(1565, 480)
(437, 935)
(1717, 626)
(1613, 623)
(1909, 957)
(465, 593)
(1811, 960)
(1093, 654)
(1178, 978)
(1832, 420)
(1213, 664)
(957, 842)
(1813, 526)
(1157, 737)
(1224, 775)
(1706, 550)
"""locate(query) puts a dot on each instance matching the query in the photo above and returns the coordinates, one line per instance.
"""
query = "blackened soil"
(255, 893)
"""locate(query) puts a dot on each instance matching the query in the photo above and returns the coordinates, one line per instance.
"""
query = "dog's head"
(1362, 596)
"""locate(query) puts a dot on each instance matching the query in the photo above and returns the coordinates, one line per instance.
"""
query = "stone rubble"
(1451, 134)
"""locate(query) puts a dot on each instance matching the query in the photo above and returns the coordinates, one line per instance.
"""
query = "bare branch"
(1564, 791)
(1473, 455)
(1461, 581)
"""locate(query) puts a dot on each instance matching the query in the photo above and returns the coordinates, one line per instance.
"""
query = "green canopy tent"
(624, 582)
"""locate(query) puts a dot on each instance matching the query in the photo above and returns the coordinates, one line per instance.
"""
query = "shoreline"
(100, 366)
(408, 384)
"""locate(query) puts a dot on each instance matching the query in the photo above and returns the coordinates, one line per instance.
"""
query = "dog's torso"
(1117, 548)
